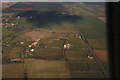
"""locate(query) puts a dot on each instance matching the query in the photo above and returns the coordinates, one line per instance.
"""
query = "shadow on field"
(47, 18)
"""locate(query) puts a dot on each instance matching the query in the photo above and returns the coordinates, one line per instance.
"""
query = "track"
(63, 51)
(91, 50)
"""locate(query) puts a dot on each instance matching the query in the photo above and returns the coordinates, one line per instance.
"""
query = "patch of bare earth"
(37, 34)
(102, 19)
(102, 55)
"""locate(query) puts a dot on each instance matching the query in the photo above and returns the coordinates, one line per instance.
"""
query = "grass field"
(98, 43)
(79, 66)
(92, 27)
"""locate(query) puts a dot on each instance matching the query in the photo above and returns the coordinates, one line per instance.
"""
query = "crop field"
(56, 40)
(37, 69)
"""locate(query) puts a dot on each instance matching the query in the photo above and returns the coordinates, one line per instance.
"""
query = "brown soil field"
(0, 24)
(48, 41)
(22, 9)
(8, 14)
(102, 19)
(102, 55)
(37, 34)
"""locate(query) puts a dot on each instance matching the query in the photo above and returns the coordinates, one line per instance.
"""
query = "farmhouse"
(21, 42)
(89, 57)
(79, 36)
(32, 50)
(30, 46)
(67, 46)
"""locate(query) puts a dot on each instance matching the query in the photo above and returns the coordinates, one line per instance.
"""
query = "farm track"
(63, 52)
(92, 51)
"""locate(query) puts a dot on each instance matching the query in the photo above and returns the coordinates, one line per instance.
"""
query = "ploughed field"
(39, 34)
